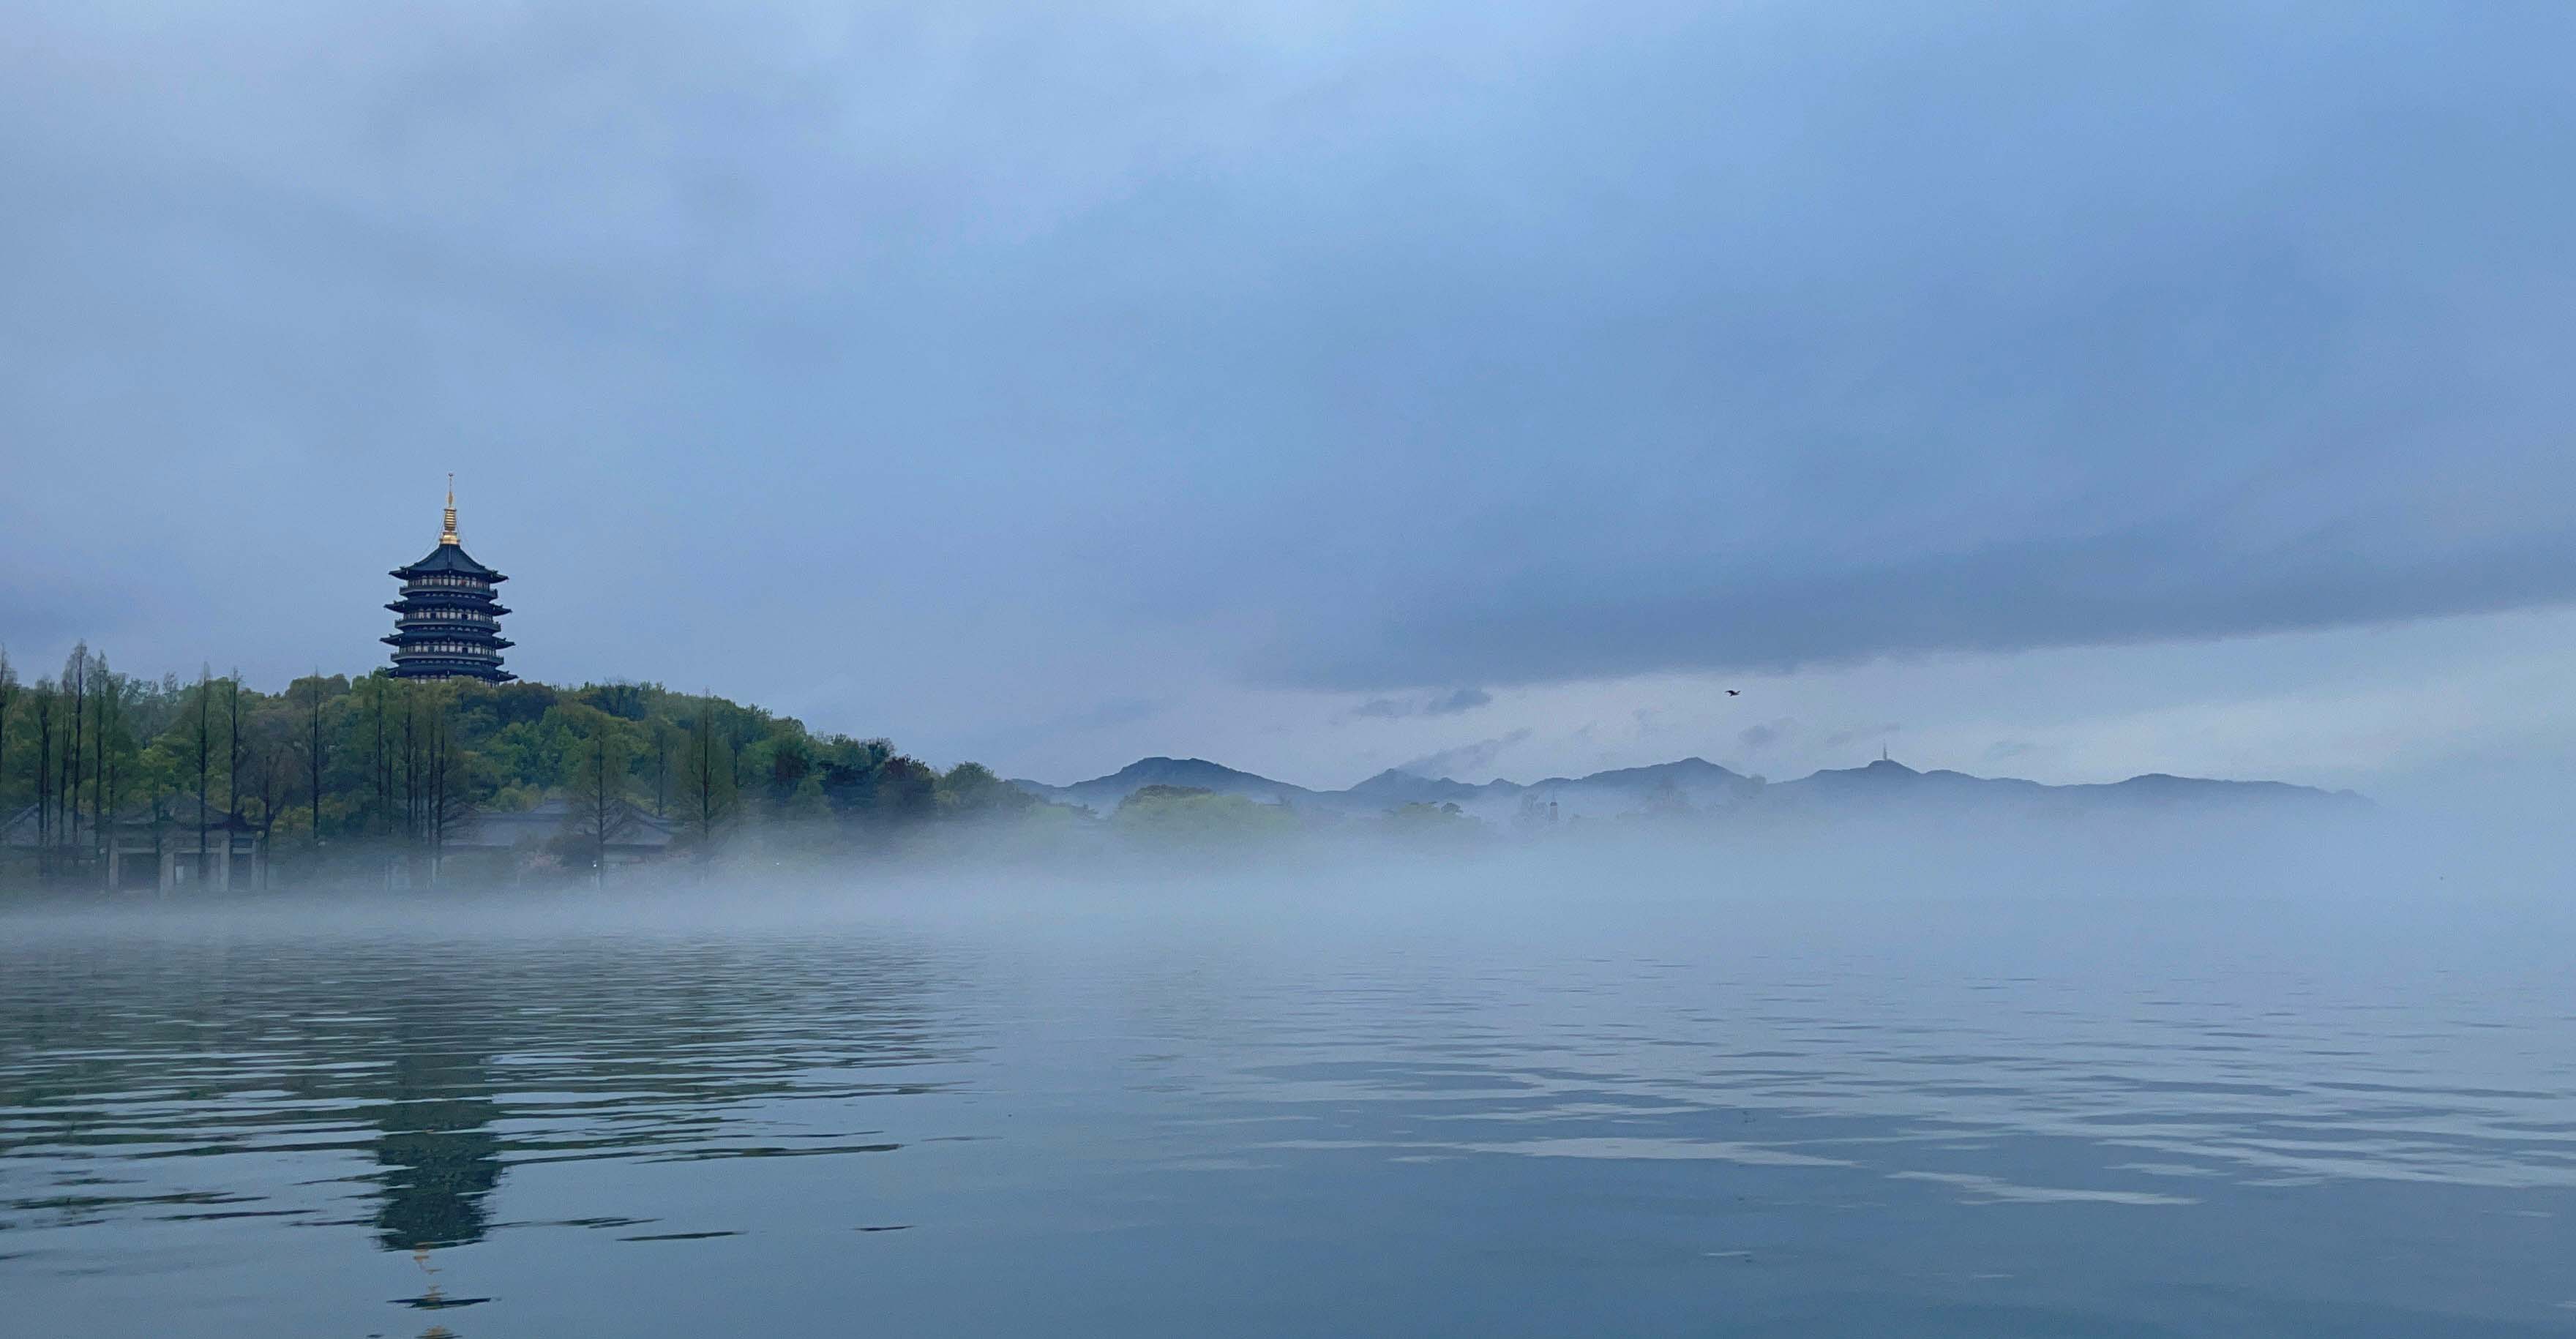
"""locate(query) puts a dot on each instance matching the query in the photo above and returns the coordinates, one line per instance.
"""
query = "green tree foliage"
(352, 776)
(1189, 816)
(971, 788)
(1426, 822)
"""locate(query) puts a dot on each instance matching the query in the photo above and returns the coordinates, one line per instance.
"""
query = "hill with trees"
(376, 776)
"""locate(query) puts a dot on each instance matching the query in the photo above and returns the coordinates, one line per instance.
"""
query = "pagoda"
(447, 625)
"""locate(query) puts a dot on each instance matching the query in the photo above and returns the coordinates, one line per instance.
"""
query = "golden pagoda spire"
(448, 535)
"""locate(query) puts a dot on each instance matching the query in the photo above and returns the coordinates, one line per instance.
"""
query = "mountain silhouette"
(1104, 793)
(1693, 784)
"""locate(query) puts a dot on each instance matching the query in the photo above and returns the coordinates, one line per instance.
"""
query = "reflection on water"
(438, 1149)
(128, 1065)
(1792, 1126)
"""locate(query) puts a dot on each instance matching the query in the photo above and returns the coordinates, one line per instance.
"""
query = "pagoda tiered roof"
(448, 558)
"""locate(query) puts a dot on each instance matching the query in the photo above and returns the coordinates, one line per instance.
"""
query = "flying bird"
(1733, 693)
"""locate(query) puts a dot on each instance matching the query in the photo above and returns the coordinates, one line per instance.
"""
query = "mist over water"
(1896, 1079)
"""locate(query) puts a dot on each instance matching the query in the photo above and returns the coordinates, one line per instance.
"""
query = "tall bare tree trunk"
(232, 744)
(602, 809)
(661, 769)
(8, 697)
(706, 770)
(76, 682)
(44, 705)
(205, 757)
(411, 782)
(313, 752)
(109, 696)
(437, 787)
(380, 813)
(160, 826)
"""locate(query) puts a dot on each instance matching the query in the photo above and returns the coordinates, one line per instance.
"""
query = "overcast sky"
(2055, 390)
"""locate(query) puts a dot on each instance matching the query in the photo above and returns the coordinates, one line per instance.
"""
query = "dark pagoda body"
(447, 625)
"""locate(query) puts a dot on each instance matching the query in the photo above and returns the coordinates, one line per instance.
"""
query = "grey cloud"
(1353, 347)
(2174, 583)
(1466, 761)
(1839, 738)
(1444, 704)
(1116, 711)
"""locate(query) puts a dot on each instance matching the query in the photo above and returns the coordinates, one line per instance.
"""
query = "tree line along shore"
(104, 774)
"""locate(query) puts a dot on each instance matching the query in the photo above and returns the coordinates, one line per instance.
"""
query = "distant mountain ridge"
(1687, 784)
(1104, 792)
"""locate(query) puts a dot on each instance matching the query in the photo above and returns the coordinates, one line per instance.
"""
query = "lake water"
(1547, 1114)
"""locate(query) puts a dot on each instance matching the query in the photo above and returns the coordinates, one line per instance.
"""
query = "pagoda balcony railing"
(425, 586)
(412, 606)
(445, 637)
(404, 646)
(443, 615)
(445, 599)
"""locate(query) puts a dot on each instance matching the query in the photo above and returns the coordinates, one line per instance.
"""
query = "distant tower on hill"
(447, 625)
